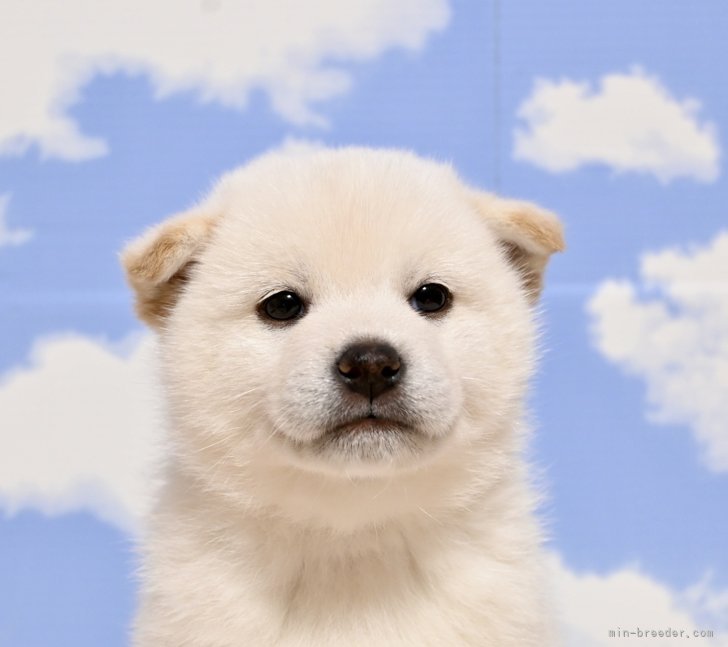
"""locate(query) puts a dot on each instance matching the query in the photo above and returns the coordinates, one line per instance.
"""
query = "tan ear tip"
(558, 239)
(131, 258)
(551, 229)
(539, 230)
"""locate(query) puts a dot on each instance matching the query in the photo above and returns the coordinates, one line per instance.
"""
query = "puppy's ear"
(528, 234)
(157, 263)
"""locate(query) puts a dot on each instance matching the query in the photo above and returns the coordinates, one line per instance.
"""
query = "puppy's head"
(343, 316)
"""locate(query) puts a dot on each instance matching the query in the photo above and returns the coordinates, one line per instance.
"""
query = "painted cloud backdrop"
(612, 114)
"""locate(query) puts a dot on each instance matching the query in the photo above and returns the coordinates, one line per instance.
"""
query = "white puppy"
(346, 338)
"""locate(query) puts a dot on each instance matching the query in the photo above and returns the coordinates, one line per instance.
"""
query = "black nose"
(369, 368)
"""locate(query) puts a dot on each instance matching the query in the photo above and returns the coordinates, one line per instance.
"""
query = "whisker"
(384, 489)
(423, 511)
(244, 393)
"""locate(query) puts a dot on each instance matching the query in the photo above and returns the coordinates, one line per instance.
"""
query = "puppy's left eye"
(282, 306)
(430, 298)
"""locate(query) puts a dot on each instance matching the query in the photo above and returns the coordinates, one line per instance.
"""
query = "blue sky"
(625, 492)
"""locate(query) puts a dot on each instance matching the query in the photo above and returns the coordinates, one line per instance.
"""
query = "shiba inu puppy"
(346, 338)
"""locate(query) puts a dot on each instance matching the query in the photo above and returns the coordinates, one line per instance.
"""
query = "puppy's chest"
(365, 598)
(354, 582)
(387, 593)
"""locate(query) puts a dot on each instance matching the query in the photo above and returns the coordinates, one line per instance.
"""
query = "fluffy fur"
(271, 530)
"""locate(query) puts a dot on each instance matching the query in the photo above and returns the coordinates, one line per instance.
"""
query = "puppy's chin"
(364, 447)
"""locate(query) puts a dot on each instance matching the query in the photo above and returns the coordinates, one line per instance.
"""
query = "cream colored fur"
(261, 536)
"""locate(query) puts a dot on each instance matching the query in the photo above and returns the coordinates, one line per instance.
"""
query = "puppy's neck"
(347, 517)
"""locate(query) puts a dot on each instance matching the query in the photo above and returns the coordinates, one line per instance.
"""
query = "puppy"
(345, 341)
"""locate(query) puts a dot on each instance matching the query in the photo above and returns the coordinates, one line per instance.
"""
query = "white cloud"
(672, 331)
(217, 49)
(630, 123)
(10, 237)
(592, 605)
(78, 431)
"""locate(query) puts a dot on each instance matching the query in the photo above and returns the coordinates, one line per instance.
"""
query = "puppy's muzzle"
(369, 368)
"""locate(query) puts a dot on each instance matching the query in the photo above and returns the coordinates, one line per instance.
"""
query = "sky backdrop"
(614, 115)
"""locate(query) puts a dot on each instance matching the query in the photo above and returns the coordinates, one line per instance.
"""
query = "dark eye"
(282, 306)
(431, 297)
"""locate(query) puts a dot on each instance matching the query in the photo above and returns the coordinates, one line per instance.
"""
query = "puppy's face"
(351, 313)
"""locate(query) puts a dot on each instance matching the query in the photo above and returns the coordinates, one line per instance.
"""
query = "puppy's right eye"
(282, 306)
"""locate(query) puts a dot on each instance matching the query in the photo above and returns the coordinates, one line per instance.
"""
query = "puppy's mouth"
(368, 439)
(370, 424)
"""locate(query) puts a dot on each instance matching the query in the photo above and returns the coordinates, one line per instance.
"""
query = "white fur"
(261, 539)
